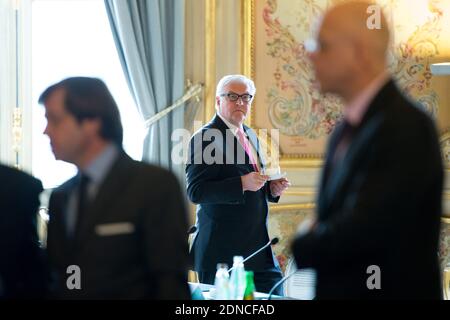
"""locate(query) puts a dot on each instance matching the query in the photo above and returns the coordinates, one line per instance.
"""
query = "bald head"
(361, 22)
(352, 42)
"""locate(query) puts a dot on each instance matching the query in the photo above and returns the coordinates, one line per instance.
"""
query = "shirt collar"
(355, 110)
(101, 165)
(231, 126)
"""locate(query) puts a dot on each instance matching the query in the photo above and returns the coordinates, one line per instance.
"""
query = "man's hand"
(253, 181)
(277, 187)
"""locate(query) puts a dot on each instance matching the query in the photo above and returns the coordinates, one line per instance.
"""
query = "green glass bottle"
(249, 293)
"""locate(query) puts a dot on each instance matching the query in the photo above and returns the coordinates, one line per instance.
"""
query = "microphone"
(192, 229)
(271, 242)
(280, 282)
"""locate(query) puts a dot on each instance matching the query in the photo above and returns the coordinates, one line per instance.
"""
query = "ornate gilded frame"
(248, 69)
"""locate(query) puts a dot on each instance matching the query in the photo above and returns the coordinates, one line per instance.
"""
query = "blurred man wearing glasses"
(379, 202)
(224, 179)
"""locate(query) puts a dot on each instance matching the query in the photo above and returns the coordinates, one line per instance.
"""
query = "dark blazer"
(380, 206)
(230, 222)
(146, 260)
(22, 269)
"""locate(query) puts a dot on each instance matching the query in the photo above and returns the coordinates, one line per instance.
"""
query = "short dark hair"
(88, 98)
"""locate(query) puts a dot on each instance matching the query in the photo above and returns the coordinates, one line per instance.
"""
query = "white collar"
(231, 126)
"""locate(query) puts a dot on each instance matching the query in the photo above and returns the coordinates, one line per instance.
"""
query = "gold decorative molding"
(248, 45)
(247, 40)
(290, 162)
(291, 207)
(311, 205)
(17, 134)
(248, 56)
(299, 192)
(210, 58)
(446, 282)
(445, 148)
(191, 91)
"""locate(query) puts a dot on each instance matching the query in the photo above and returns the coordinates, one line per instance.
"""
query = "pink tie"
(246, 145)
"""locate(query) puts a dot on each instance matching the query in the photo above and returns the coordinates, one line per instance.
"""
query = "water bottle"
(249, 293)
(221, 283)
(237, 280)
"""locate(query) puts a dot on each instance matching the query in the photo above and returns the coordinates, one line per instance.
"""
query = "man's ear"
(92, 126)
(217, 103)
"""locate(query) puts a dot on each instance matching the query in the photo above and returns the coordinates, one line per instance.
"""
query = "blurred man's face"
(234, 111)
(68, 138)
(333, 59)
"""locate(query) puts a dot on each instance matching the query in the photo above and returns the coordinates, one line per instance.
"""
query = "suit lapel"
(228, 140)
(110, 189)
(59, 217)
(62, 202)
(340, 175)
(334, 183)
(335, 137)
(231, 143)
(255, 143)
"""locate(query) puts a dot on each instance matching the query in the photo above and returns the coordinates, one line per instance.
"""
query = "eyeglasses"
(315, 46)
(235, 97)
(312, 45)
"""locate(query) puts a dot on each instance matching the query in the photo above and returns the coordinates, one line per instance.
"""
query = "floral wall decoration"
(286, 98)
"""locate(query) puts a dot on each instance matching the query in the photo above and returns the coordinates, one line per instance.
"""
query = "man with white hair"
(224, 179)
(379, 203)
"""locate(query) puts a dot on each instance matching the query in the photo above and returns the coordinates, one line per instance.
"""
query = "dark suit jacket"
(229, 221)
(148, 261)
(380, 206)
(22, 269)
